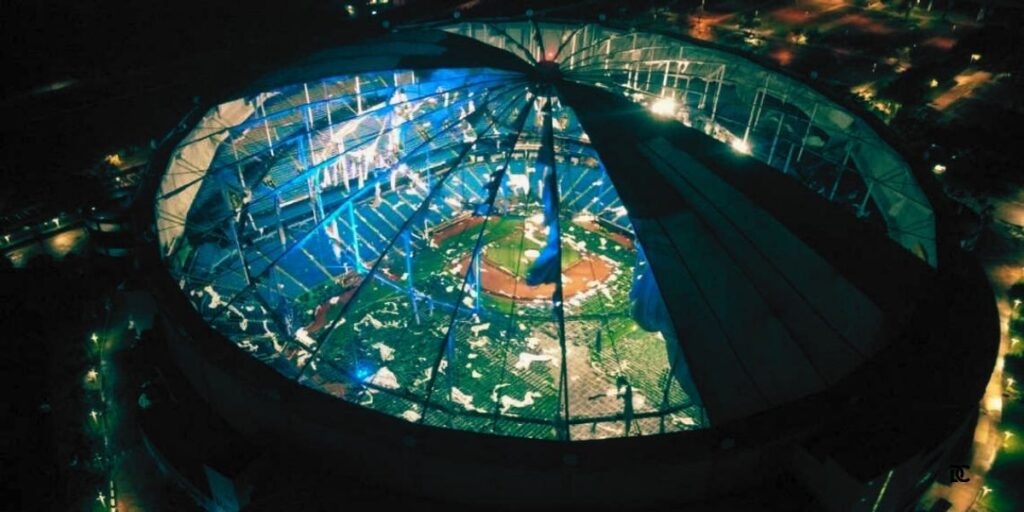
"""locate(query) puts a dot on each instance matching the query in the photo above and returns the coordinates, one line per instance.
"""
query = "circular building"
(569, 264)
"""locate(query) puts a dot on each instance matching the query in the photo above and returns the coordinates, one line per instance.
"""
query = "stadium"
(569, 264)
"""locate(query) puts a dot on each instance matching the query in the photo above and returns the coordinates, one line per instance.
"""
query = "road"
(966, 84)
(59, 245)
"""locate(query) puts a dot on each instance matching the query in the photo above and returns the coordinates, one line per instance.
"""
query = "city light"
(94, 415)
(91, 375)
(741, 146)
(934, 83)
(939, 169)
(664, 107)
(95, 338)
(975, 57)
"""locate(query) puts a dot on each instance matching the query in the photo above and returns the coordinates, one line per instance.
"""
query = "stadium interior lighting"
(664, 107)
(740, 146)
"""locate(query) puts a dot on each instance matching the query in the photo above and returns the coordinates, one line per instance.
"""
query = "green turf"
(417, 345)
(506, 250)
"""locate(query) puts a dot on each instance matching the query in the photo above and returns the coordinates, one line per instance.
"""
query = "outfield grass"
(505, 245)
(624, 349)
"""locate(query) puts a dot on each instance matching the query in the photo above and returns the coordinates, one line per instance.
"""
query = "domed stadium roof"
(543, 230)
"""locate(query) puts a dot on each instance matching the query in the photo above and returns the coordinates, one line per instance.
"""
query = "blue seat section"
(474, 178)
(207, 257)
(390, 214)
(378, 228)
(585, 189)
(214, 263)
(368, 251)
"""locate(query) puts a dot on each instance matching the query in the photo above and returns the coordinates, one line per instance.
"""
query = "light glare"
(741, 146)
(664, 107)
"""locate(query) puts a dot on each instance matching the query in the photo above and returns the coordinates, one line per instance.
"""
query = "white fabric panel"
(188, 164)
(910, 218)
(839, 118)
